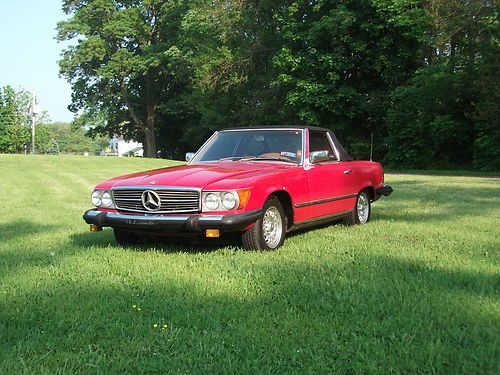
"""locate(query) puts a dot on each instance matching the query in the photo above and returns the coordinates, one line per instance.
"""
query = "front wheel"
(268, 233)
(362, 210)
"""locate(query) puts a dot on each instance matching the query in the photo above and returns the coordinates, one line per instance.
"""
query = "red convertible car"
(260, 183)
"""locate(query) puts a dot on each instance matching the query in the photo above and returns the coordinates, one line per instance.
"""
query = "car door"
(331, 185)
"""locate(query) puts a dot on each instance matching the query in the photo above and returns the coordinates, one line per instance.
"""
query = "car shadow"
(163, 244)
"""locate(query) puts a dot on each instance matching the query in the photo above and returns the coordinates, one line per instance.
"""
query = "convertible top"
(343, 155)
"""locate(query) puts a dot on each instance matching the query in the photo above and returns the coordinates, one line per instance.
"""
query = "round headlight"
(106, 199)
(96, 198)
(229, 201)
(211, 201)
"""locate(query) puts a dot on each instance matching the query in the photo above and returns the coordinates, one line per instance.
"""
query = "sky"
(29, 53)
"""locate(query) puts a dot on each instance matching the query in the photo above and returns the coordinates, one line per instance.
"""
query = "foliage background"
(421, 75)
(50, 137)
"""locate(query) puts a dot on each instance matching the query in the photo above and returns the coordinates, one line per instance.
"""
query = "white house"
(121, 147)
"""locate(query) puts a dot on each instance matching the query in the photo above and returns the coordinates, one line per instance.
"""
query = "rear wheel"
(125, 238)
(362, 210)
(268, 233)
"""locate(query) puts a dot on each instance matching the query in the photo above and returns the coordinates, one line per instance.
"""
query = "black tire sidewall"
(356, 216)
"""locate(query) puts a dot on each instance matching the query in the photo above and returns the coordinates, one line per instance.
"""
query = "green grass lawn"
(414, 291)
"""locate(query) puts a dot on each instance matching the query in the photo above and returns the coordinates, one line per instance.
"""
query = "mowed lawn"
(417, 290)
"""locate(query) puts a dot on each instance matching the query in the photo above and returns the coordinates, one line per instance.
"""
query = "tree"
(445, 114)
(339, 61)
(420, 74)
(63, 137)
(15, 120)
(125, 62)
(234, 44)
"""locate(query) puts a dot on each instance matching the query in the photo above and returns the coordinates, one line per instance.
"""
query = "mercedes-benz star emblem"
(151, 200)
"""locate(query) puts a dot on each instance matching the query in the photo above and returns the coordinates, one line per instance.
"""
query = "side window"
(318, 141)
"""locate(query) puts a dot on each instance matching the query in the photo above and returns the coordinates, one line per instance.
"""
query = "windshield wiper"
(267, 158)
(235, 158)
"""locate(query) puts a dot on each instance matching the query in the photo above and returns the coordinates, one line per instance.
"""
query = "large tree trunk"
(147, 127)
(149, 132)
(150, 143)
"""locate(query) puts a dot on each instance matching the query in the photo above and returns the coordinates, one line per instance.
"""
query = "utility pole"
(35, 110)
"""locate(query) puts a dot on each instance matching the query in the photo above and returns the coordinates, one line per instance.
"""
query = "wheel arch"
(368, 188)
(286, 202)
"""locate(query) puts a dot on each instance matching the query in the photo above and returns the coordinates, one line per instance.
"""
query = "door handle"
(348, 171)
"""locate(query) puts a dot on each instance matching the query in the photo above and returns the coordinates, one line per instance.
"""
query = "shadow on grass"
(164, 244)
(21, 228)
(13, 256)
(196, 245)
(376, 314)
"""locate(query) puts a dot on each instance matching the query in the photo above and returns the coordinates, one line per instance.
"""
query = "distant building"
(121, 147)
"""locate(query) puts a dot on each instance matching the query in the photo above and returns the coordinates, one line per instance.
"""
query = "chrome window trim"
(332, 145)
(302, 130)
(203, 145)
(337, 155)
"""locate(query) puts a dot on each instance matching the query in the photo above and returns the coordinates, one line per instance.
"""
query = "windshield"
(253, 145)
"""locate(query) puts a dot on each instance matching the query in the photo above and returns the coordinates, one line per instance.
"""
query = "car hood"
(199, 175)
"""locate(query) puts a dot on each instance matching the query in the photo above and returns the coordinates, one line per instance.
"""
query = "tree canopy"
(15, 120)
(15, 129)
(421, 75)
(125, 62)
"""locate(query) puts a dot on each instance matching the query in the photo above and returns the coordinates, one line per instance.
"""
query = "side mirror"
(189, 156)
(319, 156)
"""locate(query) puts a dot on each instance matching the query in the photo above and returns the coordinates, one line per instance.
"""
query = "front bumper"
(172, 223)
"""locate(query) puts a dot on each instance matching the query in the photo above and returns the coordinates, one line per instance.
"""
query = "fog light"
(212, 233)
(95, 228)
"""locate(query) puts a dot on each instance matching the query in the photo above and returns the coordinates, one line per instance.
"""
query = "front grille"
(172, 200)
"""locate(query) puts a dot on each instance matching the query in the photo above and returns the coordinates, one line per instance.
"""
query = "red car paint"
(315, 191)
(302, 183)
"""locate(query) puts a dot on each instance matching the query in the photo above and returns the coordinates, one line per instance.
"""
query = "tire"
(362, 211)
(274, 220)
(125, 238)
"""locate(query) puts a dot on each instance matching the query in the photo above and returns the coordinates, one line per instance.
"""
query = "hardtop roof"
(343, 155)
(260, 127)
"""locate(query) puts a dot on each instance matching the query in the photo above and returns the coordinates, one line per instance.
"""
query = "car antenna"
(371, 147)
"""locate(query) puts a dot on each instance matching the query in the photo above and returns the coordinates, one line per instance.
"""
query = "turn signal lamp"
(95, 228)
(244, 195)
(212, 233)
